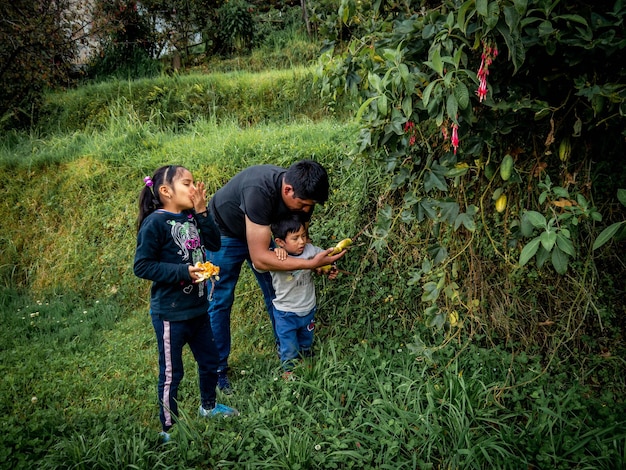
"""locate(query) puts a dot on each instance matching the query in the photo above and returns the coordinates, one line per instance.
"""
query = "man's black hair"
(285, 226)
(309, 180)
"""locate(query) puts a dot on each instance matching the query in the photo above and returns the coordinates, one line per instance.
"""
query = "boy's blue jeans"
(295, 335)
(229, 258)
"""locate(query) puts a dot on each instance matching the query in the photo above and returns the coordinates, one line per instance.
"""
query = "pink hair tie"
(148, 181)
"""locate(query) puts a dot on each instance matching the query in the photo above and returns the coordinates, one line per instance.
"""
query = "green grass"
(79, 381)
(79, 362)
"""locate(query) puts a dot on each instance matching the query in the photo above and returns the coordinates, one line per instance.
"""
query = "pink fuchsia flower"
(482, 88)
(455, 137)
(487, 57)
(412, 140)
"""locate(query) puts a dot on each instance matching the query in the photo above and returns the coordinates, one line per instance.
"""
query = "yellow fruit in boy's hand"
(342, 245)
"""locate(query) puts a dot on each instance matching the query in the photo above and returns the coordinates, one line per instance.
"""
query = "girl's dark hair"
(309, 180)
(286, 226)
(150, 198)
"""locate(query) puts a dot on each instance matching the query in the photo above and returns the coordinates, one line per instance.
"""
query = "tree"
(38, 46)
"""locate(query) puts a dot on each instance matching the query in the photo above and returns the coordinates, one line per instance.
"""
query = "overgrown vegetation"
(451, 340)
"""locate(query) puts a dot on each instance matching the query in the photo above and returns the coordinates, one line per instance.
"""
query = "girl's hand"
(199, 198)
(195, 273)
(281, 253)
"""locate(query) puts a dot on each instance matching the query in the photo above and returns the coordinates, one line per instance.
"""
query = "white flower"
(33, 400)
(318, 447)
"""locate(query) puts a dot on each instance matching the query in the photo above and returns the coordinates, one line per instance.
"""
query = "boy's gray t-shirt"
(295, 290)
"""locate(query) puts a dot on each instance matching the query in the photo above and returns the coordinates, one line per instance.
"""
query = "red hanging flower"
(455, 137)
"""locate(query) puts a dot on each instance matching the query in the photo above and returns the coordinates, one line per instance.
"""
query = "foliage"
(237, 26)
(126, 42)
(451, 90)
(177, 23)
(38, 42)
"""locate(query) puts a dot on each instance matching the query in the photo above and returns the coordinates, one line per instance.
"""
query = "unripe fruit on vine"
(565, 149)
(501, 203)
(506, 167)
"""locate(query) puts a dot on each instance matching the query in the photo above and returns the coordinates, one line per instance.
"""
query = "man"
(244, 208)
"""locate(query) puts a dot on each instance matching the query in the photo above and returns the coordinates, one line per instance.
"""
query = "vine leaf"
(529, 251)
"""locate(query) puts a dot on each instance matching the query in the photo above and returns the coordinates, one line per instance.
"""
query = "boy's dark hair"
(150, 198)
(285, 226)
(309, 180)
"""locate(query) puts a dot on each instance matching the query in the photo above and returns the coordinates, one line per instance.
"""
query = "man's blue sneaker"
(219, 410)
(223, 383)
(164, 437)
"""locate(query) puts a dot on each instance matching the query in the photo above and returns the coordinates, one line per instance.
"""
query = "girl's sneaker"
(164, 437)
(219, 410)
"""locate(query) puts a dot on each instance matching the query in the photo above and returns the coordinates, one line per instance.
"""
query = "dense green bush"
(501, 125)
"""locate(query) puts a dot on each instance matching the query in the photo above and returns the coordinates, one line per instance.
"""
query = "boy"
(295, 302)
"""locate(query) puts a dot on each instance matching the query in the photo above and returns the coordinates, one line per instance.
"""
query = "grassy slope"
(77, 336)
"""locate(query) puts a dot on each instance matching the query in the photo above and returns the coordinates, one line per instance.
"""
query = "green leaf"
(536, 219)
(621, 196)
(548, 239)
(407, 106)
(382, 105)
(607, 234)
(452, 107)
(529, 251)
(431, 292)
(542, 256)
(436, 63)
(364, 107)
(482, 7)
(559, 260)
(461, 93)
(374, 81)
(566, 245)
(427, 92)
(433, 180)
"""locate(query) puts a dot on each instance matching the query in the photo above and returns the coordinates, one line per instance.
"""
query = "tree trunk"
(305, 17)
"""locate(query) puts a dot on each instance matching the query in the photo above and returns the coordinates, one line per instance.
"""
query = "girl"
(174, 228)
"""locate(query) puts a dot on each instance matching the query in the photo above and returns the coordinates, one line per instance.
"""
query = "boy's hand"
(333, 273)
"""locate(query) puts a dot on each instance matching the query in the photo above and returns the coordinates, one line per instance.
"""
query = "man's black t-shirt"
(255, 192)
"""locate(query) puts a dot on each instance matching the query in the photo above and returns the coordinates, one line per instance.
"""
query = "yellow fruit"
(501, 203)
(209, 270)
(453, 318)
(565, 149)
(342, 245)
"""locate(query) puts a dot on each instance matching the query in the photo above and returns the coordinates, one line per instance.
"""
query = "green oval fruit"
(506, 167)
(565, 149)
